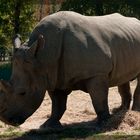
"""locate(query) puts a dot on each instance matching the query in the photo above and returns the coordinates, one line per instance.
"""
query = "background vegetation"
(20, 16)
(16, 16)
(103, 7)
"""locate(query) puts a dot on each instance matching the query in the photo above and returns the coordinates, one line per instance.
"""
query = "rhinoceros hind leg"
(136, 98)
(125, 93)
(59, 100)
(98, 90)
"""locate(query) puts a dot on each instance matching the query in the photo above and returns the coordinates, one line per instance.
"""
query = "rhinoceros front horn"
(5, 86)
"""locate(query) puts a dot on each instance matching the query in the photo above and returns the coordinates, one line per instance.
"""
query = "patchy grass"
(115, 137)
(67, 133)
(7, 131)
(138, 129)
(124, 125)
(10, 132)
(73, 134)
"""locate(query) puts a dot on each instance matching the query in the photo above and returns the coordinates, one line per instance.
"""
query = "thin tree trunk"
(17, 15)
(41, 9)
(47, 7)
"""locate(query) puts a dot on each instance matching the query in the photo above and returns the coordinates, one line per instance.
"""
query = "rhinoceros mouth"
(14, 121)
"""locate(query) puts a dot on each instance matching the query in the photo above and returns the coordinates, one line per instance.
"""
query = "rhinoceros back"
(123, 38)
(80, 47)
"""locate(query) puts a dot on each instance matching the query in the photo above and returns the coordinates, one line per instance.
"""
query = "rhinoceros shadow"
(81, 130)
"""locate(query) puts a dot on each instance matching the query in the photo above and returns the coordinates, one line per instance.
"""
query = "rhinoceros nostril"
(3, 110)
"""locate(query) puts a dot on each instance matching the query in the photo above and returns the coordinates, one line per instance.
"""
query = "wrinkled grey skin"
(67, 51)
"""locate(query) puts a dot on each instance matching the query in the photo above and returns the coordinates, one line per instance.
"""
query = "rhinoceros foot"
(136, 98)
(51, 124)
(118, 109)
(136, 107)
(101, 120)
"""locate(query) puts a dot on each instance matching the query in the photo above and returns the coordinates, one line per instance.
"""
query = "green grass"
(114, 137)
(137, 129)
(5, 70)
(65, 134)
(83, 134)
(11, 132)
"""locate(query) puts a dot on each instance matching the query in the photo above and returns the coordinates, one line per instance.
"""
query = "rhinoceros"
(67, 51)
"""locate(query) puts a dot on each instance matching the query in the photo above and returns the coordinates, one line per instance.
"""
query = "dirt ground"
(80, 109)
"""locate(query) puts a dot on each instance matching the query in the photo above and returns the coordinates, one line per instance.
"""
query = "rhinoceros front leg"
(59, 100)
(125, 93)
(136, 98)
(98, 90)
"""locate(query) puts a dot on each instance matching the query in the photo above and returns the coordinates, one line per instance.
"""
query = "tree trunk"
(17, 14)
(47, 7)
(41, 9)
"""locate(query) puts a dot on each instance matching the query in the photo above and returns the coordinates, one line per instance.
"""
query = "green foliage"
(5, 70)
(102, 7)
(125, 7)
(7, 19)
(85, 7)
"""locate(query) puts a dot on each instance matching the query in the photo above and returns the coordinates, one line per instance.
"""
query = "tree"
(17, 12)
(102, 7)
(85, 7)
(16, 16)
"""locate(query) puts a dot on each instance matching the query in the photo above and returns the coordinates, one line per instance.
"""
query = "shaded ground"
(79, 120)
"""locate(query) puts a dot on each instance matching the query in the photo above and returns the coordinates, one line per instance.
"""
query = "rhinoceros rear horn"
(36, 46)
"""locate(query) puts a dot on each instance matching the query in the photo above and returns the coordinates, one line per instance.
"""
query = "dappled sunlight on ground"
(81, 114)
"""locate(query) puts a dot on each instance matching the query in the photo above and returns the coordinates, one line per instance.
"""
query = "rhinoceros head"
(23, 94)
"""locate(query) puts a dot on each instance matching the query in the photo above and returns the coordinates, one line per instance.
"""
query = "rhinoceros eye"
(27, 61)
(22, 93)
(1, 91)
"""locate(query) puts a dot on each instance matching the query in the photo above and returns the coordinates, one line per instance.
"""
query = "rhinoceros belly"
(126, 64)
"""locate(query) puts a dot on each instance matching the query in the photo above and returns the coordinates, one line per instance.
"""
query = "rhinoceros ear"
(38, 44)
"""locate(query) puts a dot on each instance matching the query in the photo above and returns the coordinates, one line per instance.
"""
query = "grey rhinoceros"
(67, 51)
